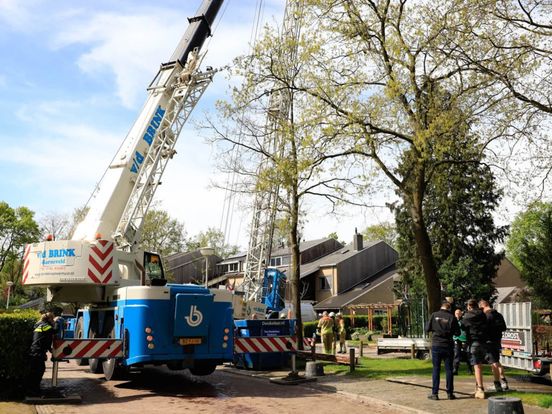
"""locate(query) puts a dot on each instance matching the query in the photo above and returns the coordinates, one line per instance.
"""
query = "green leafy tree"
(17, 228)
(458, 212)
(400, 96)
(525, 226)
(530, 248)
(162, 234)
(385, 231)
(212, 238)
(333, 235)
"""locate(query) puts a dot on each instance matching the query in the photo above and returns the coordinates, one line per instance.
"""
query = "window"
(229, 267)
(325, 283)
(276, 261)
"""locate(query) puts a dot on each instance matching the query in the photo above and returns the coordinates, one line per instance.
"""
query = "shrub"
(16, 334)
(361, 321)
(357, 332)
(309, 328)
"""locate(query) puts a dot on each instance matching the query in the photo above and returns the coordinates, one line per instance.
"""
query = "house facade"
(333, 276)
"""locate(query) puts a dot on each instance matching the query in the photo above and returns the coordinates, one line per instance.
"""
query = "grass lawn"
(532, 398)
(372, 368)
(380, 368)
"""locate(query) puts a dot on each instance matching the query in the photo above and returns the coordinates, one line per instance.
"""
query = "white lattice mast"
(265, 202)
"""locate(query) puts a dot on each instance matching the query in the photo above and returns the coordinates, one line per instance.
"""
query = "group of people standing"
(476, 335)
(332, 327)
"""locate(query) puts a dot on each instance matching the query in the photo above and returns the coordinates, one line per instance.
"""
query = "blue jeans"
(439, 354)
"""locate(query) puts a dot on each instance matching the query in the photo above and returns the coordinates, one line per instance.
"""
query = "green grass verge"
(532, 398)
(371, 368)
(379, 368)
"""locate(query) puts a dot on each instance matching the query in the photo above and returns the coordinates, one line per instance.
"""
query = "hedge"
(16, 334)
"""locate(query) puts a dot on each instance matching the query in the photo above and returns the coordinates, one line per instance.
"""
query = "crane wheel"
(202, 368)
(113, 370)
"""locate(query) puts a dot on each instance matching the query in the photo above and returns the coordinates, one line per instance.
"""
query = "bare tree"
(56, 225)
(298, 158)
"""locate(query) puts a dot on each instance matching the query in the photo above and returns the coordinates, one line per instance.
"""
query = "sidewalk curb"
(381, 403)
(319, 387)
(398, 381)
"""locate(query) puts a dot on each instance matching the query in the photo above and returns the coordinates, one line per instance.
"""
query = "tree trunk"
(295, 269)
(425, 252)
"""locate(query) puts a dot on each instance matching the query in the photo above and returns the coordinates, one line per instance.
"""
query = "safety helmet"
(332, 314)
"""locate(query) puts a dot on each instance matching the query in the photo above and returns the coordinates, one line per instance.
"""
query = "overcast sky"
(72, 81)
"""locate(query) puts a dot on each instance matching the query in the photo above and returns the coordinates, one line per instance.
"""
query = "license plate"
(190, 341)
(507, 352)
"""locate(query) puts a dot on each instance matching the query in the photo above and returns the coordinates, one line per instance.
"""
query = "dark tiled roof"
(345, 298)
(234, 258)
(333, 259)
(305, 245)
(282, 251)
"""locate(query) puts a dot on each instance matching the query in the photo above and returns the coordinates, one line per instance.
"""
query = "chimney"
(357, 241)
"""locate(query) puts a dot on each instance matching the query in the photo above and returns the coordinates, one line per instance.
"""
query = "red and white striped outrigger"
(87, 348)
(267, 344)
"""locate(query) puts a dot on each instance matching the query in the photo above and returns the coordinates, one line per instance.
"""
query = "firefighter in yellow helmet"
(325, 325)
(341, 332)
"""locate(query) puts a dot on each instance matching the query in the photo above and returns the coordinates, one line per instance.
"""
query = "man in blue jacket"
(444, 325)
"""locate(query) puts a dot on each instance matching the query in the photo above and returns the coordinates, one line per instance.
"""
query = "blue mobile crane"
(134, 317)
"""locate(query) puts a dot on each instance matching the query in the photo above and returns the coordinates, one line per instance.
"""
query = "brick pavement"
(408, 394)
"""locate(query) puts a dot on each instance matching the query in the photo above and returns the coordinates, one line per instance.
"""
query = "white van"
(308, 314)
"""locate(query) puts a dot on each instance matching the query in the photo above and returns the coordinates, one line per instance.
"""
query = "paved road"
(158, 390)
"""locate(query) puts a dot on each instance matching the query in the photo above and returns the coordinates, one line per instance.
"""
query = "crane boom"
(121, 199)
(104, 249)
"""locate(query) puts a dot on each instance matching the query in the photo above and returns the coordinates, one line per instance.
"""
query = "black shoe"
(451, 397)
(433, 397)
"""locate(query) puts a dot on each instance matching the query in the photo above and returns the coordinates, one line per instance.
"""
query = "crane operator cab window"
(154, 269)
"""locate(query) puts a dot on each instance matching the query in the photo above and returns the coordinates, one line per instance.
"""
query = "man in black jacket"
(443, 325)
(477, 329)
(43, 335)
(497, 325)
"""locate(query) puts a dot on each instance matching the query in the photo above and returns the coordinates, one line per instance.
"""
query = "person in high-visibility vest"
(43, 335)
(325, 325)
(342, 333)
